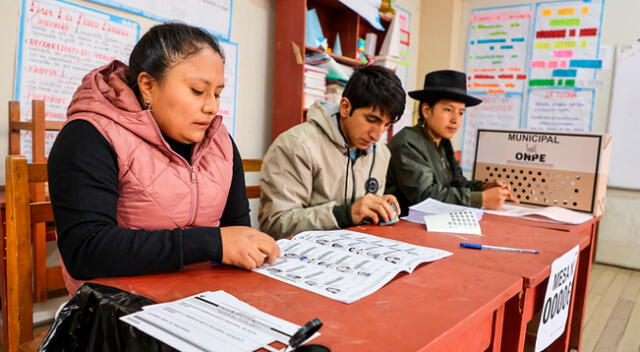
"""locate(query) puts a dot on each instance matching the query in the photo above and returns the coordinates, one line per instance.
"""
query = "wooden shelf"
(341, 59)
(288, 74)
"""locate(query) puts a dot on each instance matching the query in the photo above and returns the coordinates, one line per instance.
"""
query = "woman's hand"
(247, 247)
(493, 198)
(495, 183)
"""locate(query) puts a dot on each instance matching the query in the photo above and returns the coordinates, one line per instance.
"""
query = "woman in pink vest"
(144, 177)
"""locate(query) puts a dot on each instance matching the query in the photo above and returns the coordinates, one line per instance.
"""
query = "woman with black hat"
(422, 164)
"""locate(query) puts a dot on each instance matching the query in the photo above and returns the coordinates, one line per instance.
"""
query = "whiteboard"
(624, 120)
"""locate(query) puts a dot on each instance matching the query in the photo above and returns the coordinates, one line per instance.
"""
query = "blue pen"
(497, 248)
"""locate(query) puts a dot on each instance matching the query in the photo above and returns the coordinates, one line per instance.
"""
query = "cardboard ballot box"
(547, 168)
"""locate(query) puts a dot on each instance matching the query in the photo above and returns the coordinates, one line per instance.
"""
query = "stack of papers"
(464, 222)
(345, 265)
(212, 321)
(431, 206)
(548, 214)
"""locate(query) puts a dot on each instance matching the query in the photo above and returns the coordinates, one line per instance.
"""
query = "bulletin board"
(534, 64)
(60, 42)
(624, 119)
(546, 168)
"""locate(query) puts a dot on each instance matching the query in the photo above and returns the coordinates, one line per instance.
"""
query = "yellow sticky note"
(541, 45)
(584, 44)
(547, 12)
(566, 11)
(585, 10)
(565, 44)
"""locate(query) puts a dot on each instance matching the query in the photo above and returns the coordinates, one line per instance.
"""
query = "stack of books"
(315, 86)
(334, 90)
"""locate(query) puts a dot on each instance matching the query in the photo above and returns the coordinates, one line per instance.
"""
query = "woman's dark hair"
(163, 46)
(431, 101)
(377, 87)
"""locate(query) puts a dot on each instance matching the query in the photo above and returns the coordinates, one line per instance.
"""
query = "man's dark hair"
(376, 87)
(163, 46)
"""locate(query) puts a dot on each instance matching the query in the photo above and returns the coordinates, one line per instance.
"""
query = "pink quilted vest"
(157, 188)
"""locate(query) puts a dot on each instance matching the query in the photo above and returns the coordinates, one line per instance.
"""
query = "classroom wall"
(443, 46)
(255, 67)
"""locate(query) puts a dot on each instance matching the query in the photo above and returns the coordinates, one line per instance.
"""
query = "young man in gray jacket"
(329, 172)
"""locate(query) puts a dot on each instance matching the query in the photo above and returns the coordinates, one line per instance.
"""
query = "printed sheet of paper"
(497, 51)
(496, 111)
(227, 106)
(431, 206)
(546, 214)
(212, 321)
(567, 110)
(368, 9)
(212, 15)
(345, 265)
(59, 43)
(463, 222)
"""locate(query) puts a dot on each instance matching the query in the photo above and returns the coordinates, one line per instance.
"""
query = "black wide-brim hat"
(447, 84)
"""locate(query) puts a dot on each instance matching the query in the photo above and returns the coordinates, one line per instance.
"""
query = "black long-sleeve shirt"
(83, 185)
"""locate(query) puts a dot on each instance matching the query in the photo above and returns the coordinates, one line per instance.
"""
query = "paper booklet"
(212, 321)
(345, 265)
(464, 222)
(546, 214)
(430, 206)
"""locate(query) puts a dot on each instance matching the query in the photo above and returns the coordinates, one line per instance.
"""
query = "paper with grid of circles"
(464, 222)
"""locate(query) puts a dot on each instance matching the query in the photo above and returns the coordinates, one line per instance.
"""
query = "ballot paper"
(345, 265)
(430, 206)
(464, 222)
(212, 321)
(545, 214)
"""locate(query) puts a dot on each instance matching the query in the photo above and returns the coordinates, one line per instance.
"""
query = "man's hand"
(376, 208)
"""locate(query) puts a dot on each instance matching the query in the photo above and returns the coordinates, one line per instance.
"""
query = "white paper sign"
(228, 97)
(60, 43)
(213, 15)
(568, 110)
(557, 300)
(496, 111)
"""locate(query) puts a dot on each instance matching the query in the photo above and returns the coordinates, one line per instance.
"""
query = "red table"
(533, 268)
(441, 306)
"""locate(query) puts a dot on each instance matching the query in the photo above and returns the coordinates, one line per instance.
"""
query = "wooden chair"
(252, 165)
(38, 128)
(22, 213)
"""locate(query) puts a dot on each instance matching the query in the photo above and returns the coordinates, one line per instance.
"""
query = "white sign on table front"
(557, 300)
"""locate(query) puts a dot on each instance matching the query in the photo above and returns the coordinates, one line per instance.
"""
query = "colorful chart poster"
(212, 15)
(566, 41)
(59, 43)
(228, 97)
(497, 71)
(402, 69)
(496, 111)
(566, 110)
(497, 49)
(564, 60)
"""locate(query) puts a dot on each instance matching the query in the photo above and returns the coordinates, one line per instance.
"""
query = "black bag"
(89, 322)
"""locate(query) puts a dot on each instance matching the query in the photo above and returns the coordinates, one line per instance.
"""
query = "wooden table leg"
(518, 313)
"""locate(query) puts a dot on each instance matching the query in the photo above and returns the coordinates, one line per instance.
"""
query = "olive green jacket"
(419, 170)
